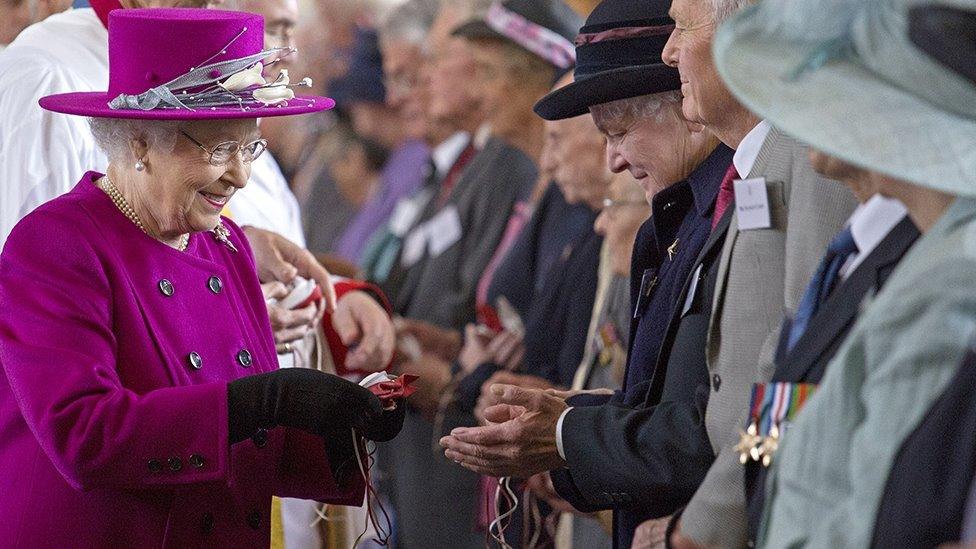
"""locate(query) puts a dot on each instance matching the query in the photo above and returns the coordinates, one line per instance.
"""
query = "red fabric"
(451, 179)
(389, 391)
(102, 7)
(726, 194)
(336, 347)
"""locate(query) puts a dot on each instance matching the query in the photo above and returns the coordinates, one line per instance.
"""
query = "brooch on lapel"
(222, 235)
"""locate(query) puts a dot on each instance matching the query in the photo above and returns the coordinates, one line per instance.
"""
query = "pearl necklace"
(106, 185)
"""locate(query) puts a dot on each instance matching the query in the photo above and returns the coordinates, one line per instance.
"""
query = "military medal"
(773, 407)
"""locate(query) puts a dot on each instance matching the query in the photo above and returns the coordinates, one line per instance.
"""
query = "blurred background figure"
(19, 14)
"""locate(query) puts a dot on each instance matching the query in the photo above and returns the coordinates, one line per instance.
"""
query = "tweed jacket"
(826, 483)
(762, 276)
(115, 353)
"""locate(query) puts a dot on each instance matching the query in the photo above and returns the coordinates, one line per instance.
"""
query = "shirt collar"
(872, 221)
(706, 179)
(445, 154)
(749, 147)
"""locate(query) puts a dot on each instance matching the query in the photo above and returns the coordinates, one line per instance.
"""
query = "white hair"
(113, 135)
(723, 9)
(633, 108)
(409, 21)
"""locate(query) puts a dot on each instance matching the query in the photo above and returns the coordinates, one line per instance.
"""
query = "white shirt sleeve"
(559, 433)
(42, 154)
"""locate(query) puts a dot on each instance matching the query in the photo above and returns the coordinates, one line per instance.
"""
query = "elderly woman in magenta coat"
(140, 399)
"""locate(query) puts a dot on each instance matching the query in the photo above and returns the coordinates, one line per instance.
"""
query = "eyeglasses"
(223, 152)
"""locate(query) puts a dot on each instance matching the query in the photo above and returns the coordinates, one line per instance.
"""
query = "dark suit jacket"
(558, 315)
(807, 361)
(441, 289)
(646, 459)
(928, 491)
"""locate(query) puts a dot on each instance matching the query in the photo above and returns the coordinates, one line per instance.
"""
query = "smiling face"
(180, 191)
(705, 99)
(655, 147)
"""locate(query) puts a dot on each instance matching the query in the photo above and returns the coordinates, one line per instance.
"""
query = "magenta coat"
(110, 434)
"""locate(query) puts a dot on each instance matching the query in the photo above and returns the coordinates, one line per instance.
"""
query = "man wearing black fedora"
(654, 429)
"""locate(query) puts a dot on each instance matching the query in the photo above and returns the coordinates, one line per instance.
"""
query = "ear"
(139, 148)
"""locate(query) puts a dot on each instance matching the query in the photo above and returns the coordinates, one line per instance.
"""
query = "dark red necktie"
(725, 194)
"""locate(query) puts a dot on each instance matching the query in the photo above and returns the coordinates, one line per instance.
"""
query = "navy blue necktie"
(822, 283)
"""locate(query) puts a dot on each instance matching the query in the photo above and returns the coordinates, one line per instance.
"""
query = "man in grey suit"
(765, 265)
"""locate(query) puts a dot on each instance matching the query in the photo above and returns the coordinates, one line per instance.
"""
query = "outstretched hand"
(520, 440)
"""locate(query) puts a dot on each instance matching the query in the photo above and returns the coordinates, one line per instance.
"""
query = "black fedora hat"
(544, 28)
(947, 34)
(618, 55)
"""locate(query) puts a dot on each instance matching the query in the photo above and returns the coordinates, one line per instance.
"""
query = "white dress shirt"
(44, 154)
(745, 156)
(266, 202)
(870, 224)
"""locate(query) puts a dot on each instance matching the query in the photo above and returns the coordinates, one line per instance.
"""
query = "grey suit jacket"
(762, 276)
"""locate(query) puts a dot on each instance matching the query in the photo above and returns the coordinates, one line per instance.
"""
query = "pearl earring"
(140, 166)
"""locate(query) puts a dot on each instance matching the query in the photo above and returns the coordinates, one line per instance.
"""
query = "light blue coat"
(831, 468)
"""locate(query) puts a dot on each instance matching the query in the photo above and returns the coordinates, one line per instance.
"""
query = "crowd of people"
(524, 273)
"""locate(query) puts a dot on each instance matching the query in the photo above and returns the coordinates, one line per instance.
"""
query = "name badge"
(443, 231)
(414, 246)
(752, 204)
(692, 288)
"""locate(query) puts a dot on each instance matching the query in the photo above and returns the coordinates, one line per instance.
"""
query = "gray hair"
(113, 135)
(410, 21)
(723, 9)
(633, 108)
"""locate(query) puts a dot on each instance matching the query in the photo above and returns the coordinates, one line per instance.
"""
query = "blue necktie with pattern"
(823, 282)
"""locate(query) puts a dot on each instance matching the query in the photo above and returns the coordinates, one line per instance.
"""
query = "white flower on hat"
(272, 95)
(245, 79)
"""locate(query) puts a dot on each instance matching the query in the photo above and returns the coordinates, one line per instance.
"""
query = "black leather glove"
(386, 426)
(301, 398)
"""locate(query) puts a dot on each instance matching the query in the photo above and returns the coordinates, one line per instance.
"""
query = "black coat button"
(254, 520)
(260, 438)
(195, 360)
(166, 287)
(196, 460)
(215, 284)
(244, 358)
(154, 465)
(207, 524)
(716, 382)
(175, 464)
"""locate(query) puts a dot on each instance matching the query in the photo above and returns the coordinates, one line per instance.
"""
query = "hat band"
(547, 44)
(622, 33)
(607, 55)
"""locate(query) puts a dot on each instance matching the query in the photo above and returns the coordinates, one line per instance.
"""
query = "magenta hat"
(188, 64)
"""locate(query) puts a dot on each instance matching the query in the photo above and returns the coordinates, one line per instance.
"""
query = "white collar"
(447, 153)
(872, 221)
(745, 156)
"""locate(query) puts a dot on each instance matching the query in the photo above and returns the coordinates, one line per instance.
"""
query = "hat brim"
(845, 110)
(575, 99)
(95, 105)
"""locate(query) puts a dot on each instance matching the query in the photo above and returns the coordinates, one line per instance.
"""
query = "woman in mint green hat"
(844, 77)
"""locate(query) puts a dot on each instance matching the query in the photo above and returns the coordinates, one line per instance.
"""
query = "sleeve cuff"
(559, 433)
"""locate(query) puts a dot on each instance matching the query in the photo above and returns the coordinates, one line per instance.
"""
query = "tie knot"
(843, 244)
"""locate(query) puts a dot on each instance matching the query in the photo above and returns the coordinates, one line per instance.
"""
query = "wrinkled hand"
(488, 398)
(541, 486)
(432, 339)
(651, 534)
(520, 443)
(365, 328)
(288, 326)
(279, 259)
(434, 378)
(475, 350)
